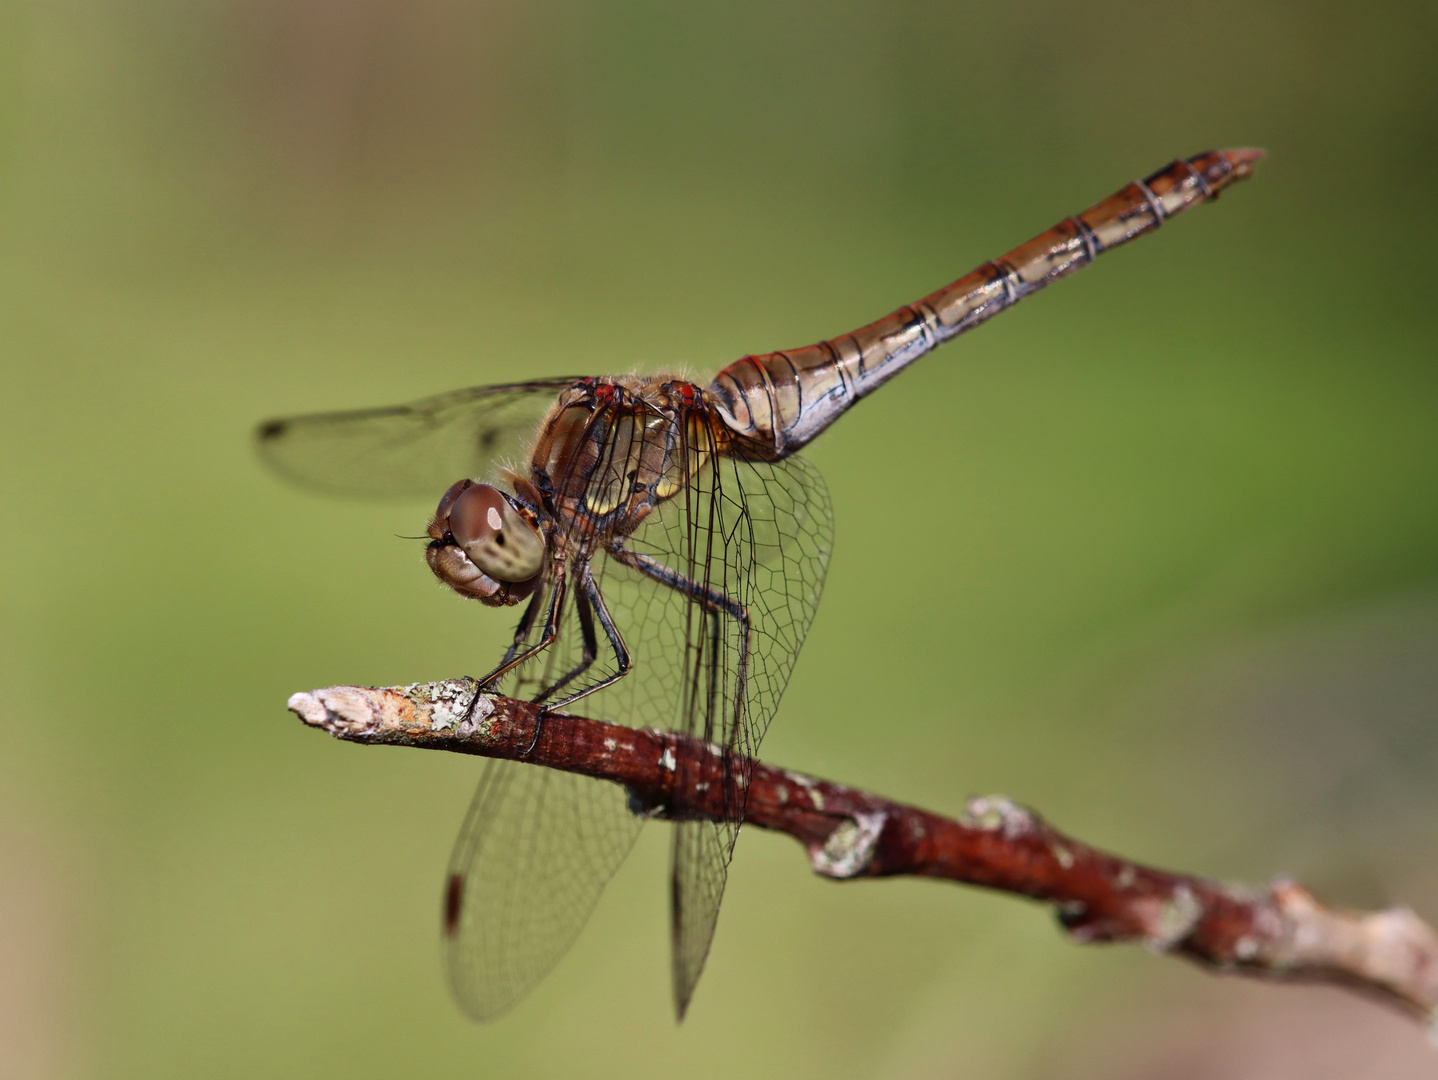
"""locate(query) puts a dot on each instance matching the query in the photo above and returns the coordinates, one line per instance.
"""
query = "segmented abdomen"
(781, 400)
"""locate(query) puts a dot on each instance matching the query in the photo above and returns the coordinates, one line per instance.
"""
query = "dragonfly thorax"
(610, 451)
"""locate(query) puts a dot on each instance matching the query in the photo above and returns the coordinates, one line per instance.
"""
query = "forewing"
(535, 852)
(415, 449)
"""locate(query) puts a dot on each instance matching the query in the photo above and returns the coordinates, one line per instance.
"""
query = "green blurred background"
(1156, 554)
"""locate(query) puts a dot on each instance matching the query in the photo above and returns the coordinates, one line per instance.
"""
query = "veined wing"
(415, 449)
(714, 603)
(535, 852)
(713, 598)
(760, 534)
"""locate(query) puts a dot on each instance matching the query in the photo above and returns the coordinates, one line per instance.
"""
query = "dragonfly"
(666, 546)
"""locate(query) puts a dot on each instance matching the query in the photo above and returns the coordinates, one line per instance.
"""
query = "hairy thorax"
(612, 449)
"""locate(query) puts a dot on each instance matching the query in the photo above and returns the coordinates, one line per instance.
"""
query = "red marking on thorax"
(684, 392)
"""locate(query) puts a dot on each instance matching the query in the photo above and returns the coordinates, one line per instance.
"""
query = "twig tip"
(340, 710)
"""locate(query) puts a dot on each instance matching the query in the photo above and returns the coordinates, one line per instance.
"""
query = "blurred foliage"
(1155, 553)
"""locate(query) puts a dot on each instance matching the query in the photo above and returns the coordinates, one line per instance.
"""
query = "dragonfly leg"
(514, 657)
(588, 590)
(590, 643)
(714, 602)
(524, 629)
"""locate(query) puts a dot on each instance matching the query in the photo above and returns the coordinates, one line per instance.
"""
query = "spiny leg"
(551, 631)
(512, 659)
(590, 643)
(524, 629)
(714, 602)
(589, 589)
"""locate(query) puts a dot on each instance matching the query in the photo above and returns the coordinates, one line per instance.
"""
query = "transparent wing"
(535, 852)
(733, 568)
(700, 870)
(758, 534)
(415, 449)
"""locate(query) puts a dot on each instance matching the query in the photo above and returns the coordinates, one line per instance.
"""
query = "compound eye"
(446, 503)
(490, 531)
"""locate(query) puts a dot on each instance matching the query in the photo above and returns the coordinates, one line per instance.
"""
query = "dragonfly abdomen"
(782, 400)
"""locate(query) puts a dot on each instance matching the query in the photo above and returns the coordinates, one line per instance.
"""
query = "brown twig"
(1281, 932)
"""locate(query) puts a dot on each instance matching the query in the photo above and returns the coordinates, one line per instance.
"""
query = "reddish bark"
(1280, 932)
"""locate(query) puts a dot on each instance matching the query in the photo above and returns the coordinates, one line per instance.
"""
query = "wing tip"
(270, 430)
(453, 903)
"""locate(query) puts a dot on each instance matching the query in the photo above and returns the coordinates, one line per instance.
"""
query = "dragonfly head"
(486, 545)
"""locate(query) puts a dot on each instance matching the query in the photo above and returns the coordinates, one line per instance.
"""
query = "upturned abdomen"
(781, 400)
